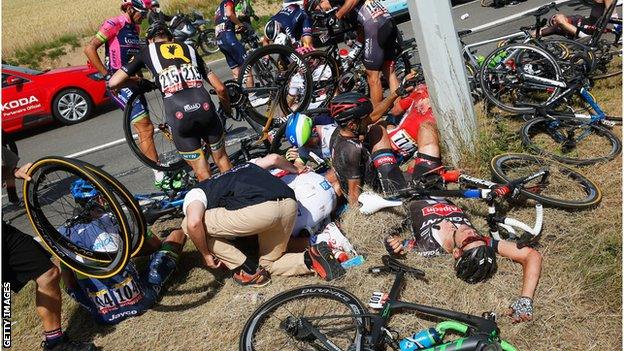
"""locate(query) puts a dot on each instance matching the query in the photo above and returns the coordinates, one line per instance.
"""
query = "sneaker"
(257, 280)
(324, 263)
(67, 345)
(168, 183)
(334, 239)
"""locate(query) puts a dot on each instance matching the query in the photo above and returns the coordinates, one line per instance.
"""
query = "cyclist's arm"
(306, 37)
(346, 8)
(216, 83)
(354, 191)
(531, 262)
(276, 161)
(92, 55)
(382, 108)
(231, 14)
(126, 75)
(193, 226)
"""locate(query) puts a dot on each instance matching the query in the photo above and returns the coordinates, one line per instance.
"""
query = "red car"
(31, 97)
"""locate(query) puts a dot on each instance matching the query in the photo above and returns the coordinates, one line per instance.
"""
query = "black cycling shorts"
(192, 117)
(381, 45)
(23, 259)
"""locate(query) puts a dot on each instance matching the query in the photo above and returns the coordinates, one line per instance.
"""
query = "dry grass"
(577, 304)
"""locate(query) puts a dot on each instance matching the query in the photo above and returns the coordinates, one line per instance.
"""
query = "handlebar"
(544, 9)
(390, 265)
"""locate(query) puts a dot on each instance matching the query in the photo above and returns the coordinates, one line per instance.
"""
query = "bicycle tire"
(538, 135)
(286, 74)
(555, 194)
(208, 43)
(499, 78)
(319, 59)
(165, 149)
(330, 296)
(138, 226)
(83, 260)
(487, 3)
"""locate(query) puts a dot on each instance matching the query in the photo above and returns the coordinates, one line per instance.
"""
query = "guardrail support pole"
(445, 74)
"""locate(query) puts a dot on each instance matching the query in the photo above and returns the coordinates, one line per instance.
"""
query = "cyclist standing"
(120, 35)
(226, 22)
(179, 73)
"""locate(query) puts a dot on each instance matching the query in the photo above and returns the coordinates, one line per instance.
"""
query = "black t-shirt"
(351, 160)
(175, 66)
(242, 186)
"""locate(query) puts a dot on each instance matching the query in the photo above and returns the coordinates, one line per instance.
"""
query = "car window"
(6, 76)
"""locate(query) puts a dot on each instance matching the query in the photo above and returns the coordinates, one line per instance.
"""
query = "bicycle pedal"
(609, 124)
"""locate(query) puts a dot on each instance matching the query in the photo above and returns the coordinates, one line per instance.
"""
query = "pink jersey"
(122, 41)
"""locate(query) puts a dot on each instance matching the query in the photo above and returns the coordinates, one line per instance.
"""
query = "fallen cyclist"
(247, 200)
(128, 293)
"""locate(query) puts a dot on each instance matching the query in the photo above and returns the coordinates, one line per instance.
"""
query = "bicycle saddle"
(394, 266)
(464, 32)
(372, 202)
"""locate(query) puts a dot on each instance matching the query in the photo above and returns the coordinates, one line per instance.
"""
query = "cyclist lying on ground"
(293, 21)
(189, 110)
(244, 201)
(569, 25)
(128, 293)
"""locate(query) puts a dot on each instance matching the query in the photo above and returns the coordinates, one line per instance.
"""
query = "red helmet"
(350, 106)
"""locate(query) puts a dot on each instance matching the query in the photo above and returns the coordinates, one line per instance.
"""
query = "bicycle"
(325, 317)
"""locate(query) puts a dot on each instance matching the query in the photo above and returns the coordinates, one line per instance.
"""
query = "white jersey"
(325, 133)
(315, 199)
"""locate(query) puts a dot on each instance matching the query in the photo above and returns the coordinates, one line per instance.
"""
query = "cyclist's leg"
(224, 47)
(388, 35)
(142, 124)
(189, 145)
(215, 137)
(384, 160)
(373, 61)
(197, 160)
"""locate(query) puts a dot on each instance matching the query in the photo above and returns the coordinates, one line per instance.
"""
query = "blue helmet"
(298, 129)
(83, 191)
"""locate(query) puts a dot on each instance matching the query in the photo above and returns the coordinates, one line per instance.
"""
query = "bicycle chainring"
(237, 97)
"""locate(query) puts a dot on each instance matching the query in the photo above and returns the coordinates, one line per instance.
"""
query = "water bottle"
(421, 340)
(344, 59)
(500, 57)
(357, 46)
(480, 60)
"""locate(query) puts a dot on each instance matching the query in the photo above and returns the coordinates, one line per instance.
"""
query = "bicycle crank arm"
(319, 336)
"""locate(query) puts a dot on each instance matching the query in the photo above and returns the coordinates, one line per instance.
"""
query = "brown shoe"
(257, 280)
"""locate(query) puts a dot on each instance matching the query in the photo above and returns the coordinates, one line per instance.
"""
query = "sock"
(53, 337)
(424, 164)
(307, 259)
(248, 267)
(158, 175)
(390, 174)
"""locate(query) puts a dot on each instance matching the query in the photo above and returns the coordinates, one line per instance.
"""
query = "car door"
(20, 97)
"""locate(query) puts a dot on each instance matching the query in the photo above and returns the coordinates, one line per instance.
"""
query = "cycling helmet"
(155, 3)
(83, 191)
(158, 28)
(349, 106)
(298, 129)
(139, 5)
(287, 3)
(272, 29)
(477, 264)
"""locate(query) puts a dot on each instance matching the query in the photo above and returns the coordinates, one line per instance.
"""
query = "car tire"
(72, 106)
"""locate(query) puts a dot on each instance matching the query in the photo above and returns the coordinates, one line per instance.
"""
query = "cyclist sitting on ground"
(120, 35)
(190, 113)
(247, 200)
(23, 260)
(441, 227)
(380, 38)
(293, 21)
(569, 25)
(128, 293)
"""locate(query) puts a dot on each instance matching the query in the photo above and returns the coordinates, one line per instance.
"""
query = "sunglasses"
(143, 13)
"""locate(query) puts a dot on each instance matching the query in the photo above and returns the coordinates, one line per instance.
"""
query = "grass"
(577, 303)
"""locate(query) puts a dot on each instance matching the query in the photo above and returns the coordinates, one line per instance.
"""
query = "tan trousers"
(272, 221)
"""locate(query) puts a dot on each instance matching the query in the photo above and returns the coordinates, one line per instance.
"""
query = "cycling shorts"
(232, 49)
(139, 107)
(380, 45)
(192, 117)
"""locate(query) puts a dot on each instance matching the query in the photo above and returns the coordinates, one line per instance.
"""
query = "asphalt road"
(119, 160)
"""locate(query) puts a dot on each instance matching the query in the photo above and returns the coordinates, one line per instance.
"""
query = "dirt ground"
(577, 303)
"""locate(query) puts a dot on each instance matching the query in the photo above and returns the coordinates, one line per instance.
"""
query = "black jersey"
(352, 160)
(175, 66)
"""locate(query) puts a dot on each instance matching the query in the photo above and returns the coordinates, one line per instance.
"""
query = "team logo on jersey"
(179, 115)
(191, 107)
(441, 210)
(206, 106)
(325, 185)
(173, 51)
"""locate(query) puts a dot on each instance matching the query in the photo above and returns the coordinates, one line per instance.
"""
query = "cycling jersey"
(427, 217)
(351, 160)
(295, 21)
(189, 111)
(324, 133)
(126, 294)
(122, 42)
(222, 21)
(404, 137)
(380, 34)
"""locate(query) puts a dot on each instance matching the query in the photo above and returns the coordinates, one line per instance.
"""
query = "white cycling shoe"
(256, 101)
(372, 202)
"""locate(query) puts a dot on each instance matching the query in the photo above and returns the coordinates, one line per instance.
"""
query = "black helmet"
(477, 264)
(272, 29)
(349, 106)
(158, 28)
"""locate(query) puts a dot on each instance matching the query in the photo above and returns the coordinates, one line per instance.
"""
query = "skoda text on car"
(31, 97)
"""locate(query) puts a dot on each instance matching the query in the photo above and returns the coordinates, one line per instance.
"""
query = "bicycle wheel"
(608, 59)
(91, 237)
(564, 187)
(487, 3)
(137, 225)
(570, 140)
(325, 73)
(505, 83)
(276, 76)
(168, 157)
(276, 324)
(208, 42)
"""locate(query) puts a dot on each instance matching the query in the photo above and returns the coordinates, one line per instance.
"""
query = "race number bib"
(219, 28)
(191, 76)
(123, 294)
(403, 143)
(170, 80)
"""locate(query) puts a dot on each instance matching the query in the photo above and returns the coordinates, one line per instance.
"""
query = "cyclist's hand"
(212, 262)
(240, 29)
(292, 154)
(394, 244)
(521, 310)
(22, 172)
(305, 169)
(331, 19)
